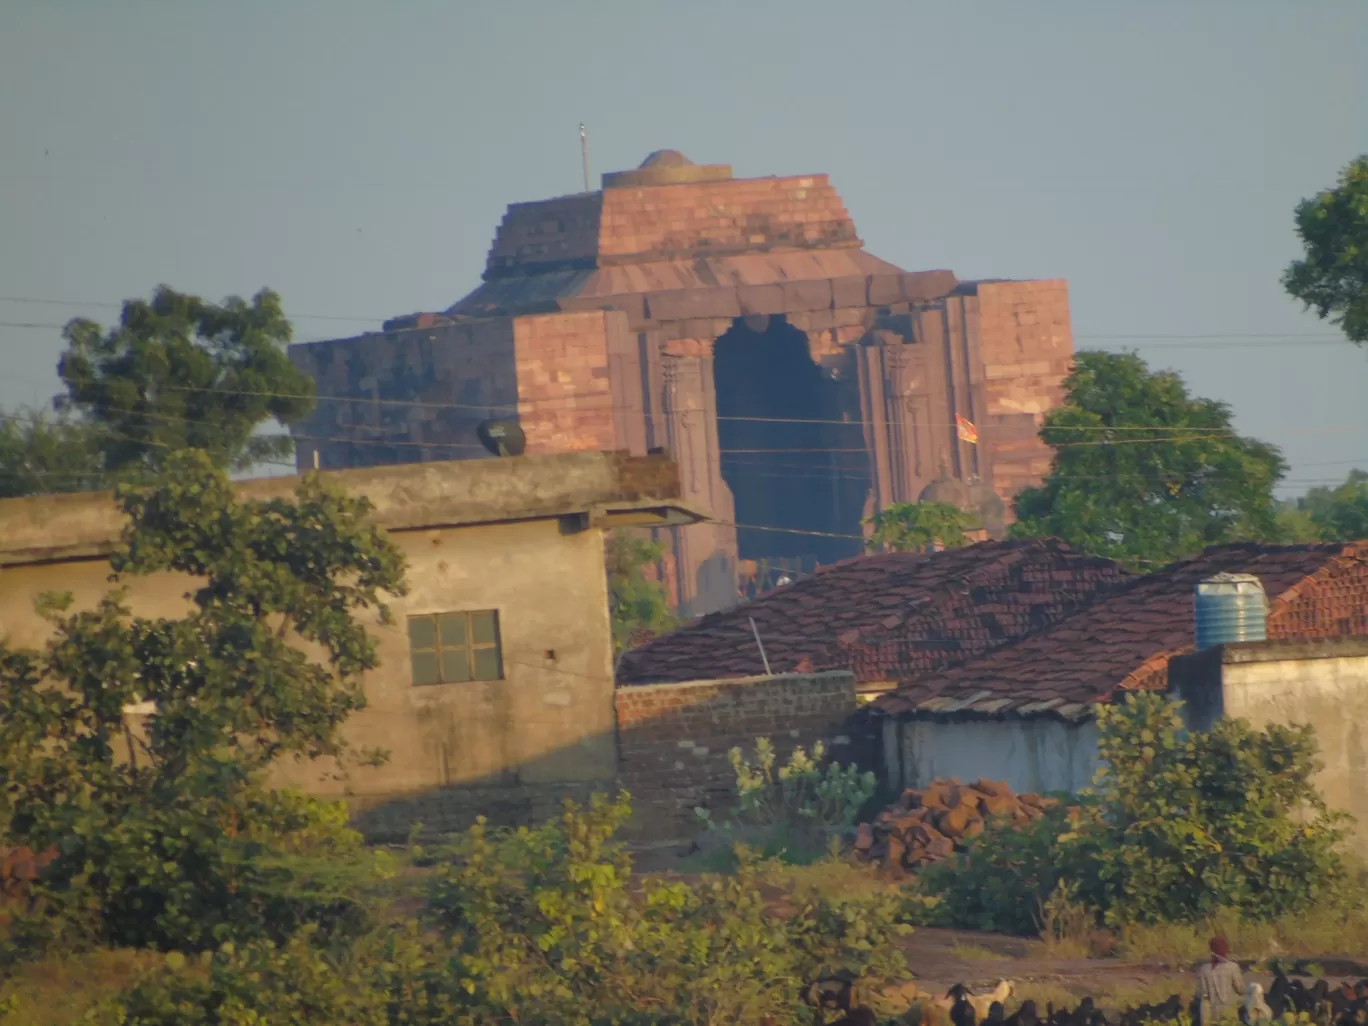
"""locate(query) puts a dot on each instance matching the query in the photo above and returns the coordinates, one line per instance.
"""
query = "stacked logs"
(19, 868)
(932, 824)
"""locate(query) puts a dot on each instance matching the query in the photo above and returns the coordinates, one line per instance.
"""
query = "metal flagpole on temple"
(584, 153)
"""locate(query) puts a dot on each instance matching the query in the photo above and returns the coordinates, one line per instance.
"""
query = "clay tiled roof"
(885, 617)
(1125, 639)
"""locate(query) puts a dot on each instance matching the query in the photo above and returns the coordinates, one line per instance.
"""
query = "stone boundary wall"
(673, 739)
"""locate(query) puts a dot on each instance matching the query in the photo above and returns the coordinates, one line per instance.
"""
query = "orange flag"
(967, 431)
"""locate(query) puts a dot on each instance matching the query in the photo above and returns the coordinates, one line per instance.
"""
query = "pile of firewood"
(19, 868)
(932, 824)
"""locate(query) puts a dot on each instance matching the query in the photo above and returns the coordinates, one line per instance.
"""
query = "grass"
(58, 990)
(1317, 932)
(976, 953)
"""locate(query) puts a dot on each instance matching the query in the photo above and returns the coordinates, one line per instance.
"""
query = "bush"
(1004, 878)
(792, 812)
(1190, 825)
(546, 925)
(391, 977)
(1179, 829)
(167, 835)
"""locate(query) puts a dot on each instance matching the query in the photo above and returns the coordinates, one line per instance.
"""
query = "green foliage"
(180, 373)
(1332, 278)
(1331, 514)
(1182, 827)
(1004, 879)
(1190, 824)
(167, 835)
(919, 527)
(792, 810)
(390, 977)
(40, 453)
(1145, 474)
(639, 606)
(547, 925)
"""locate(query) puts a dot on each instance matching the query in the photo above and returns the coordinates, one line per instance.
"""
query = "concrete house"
(1024, 712)
(495, 686)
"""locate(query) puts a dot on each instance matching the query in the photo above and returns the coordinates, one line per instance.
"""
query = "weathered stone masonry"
(800, 382)
(673, 739)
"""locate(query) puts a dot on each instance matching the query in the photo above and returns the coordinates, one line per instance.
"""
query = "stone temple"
(800, 382)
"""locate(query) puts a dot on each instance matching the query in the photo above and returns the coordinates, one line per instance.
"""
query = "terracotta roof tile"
(1126, 637)
(887, 617)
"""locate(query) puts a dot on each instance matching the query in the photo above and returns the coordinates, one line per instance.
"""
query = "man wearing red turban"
(1220, 984)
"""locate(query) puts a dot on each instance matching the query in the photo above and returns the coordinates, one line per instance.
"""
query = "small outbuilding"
(1024, 713)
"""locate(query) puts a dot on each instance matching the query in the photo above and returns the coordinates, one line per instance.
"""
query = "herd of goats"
(1323, 1002)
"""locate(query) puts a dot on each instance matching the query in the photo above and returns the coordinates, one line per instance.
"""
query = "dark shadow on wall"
(672, 750)
(793, 450)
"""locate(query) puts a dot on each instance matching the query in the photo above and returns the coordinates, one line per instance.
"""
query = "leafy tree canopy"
(42, 453)
(1331, 514)
(179, 373)
(920, 527)
(165, 828)
(1332, 278)
(1143, 472)
(639, 607)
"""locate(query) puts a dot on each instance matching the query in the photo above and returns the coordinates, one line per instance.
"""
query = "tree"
(1145, 474)
(41, 453)
(1334, 514)
(180, 373)
(639, 606)
(167, 833)
(1190, 824)
(919, 527)
(1332, 278)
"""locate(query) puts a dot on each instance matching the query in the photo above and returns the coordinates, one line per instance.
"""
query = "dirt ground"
(939, 958)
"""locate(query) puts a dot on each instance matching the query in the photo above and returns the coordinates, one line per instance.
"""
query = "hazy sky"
(356, 157)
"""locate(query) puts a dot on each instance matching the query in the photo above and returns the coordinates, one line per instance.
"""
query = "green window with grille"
(455, 648)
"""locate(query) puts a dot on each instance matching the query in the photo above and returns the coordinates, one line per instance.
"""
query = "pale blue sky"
(357, 156)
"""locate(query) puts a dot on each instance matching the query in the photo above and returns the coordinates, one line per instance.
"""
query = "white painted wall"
(1032, 754)
(1331, 694)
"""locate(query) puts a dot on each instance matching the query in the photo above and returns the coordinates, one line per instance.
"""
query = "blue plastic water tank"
(1229, 608)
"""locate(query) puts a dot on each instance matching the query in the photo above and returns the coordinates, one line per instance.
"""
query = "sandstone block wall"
(416, 394)
(673, 739)
(624, 224)
(411, 395)
(565, 395)
(1026, 345)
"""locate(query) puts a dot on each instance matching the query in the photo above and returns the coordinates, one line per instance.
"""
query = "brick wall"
(565, 395)
(1026, 344)
(742, 214)
(546, 232)
(411, 395)
(673, 739)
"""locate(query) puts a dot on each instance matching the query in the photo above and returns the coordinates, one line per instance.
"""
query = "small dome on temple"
(947, 490)
(667, 158)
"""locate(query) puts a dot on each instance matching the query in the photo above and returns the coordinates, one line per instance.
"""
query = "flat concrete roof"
(1283, 649)
(605, 489)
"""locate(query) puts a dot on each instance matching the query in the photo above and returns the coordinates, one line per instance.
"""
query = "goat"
(1255, 1010)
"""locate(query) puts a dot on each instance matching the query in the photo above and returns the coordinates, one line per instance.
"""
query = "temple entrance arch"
(792, 445)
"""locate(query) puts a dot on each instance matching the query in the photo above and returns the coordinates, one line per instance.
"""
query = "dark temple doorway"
(793, 450)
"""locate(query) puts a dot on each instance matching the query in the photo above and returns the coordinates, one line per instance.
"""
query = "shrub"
(1002, 881)
(388, 978)
(167, 835)
(1190, 825)
(793, 810)
(1179, 829)
(547, 925)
